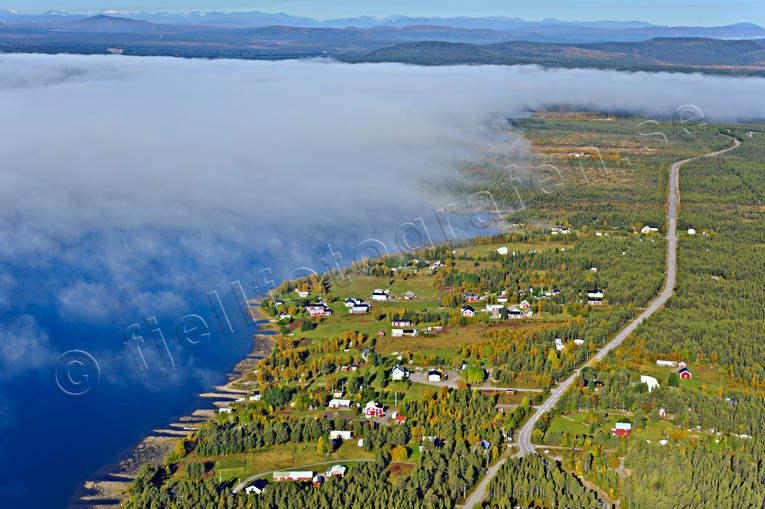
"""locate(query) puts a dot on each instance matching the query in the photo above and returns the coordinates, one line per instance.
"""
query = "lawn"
(572, 427)
(518, 247)
(446, 341)
(362, 286)
(283, 456)
(711, 377)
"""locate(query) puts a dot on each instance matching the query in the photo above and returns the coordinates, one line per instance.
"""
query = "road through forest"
(524, 436)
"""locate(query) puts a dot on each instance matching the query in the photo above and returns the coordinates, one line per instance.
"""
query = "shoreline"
(106, 487)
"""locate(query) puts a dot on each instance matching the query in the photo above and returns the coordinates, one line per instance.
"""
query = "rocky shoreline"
(109, 492)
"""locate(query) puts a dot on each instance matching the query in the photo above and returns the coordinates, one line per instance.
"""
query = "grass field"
(518, 247)
(711, 378)
(362, 286)
(284, 456)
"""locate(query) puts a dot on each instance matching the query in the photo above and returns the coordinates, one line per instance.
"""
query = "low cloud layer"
(129, 182)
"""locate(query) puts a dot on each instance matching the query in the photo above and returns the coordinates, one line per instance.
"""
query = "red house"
(471, 297)
(373, 409)
(685, 373)
(319, 310)
(622, 429)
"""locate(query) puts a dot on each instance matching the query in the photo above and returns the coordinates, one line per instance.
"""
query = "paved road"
(524, 436)
(239, 487)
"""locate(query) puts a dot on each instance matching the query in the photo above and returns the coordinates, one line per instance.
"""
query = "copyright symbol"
(688, 121)
(77, 373)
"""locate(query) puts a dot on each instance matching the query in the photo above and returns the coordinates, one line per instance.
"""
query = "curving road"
(524, 436)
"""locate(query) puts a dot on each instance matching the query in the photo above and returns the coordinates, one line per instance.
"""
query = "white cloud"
(128, 182)
(24, 345)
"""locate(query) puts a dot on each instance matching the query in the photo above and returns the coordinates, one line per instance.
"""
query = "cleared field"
(708, 378)
(362, 286)
(518, 247)
(283, 457)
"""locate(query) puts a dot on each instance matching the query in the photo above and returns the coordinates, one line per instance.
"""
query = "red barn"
(622, 429)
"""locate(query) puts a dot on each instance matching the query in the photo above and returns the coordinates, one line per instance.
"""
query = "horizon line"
(112, 12)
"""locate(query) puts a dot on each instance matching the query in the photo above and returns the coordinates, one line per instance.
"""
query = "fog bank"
(129, 182)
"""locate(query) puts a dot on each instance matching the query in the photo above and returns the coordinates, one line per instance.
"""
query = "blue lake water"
(65, 440)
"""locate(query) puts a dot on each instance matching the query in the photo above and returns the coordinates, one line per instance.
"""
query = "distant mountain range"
(548, 30)
(429, 41)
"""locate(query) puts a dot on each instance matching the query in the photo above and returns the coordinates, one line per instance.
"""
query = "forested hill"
(729, 50)
(707, 55)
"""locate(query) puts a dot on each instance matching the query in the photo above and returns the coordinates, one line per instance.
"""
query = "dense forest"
(532, 482)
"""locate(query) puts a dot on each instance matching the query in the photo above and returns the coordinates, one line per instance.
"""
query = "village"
(447, 373)
(372, 350)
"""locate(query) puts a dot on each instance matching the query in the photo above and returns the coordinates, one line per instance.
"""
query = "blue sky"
(673, 12)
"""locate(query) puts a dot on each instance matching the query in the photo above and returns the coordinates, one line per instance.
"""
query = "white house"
(435, 375)
(401, 323)
(559, 344)
(597, 294)
(351, 301)
(691, 231)
(399, 373)
(256, 488)
(301, 475)
(380, 295)
(397, 333)
(337, 470)
(373, 409)
(225, 410)
(359, 309)
(666, 364)
(502, 250)
(340, 403)
(578, 342)
(302, 294)
(648, 229)
(344, 435)
(650, 381)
